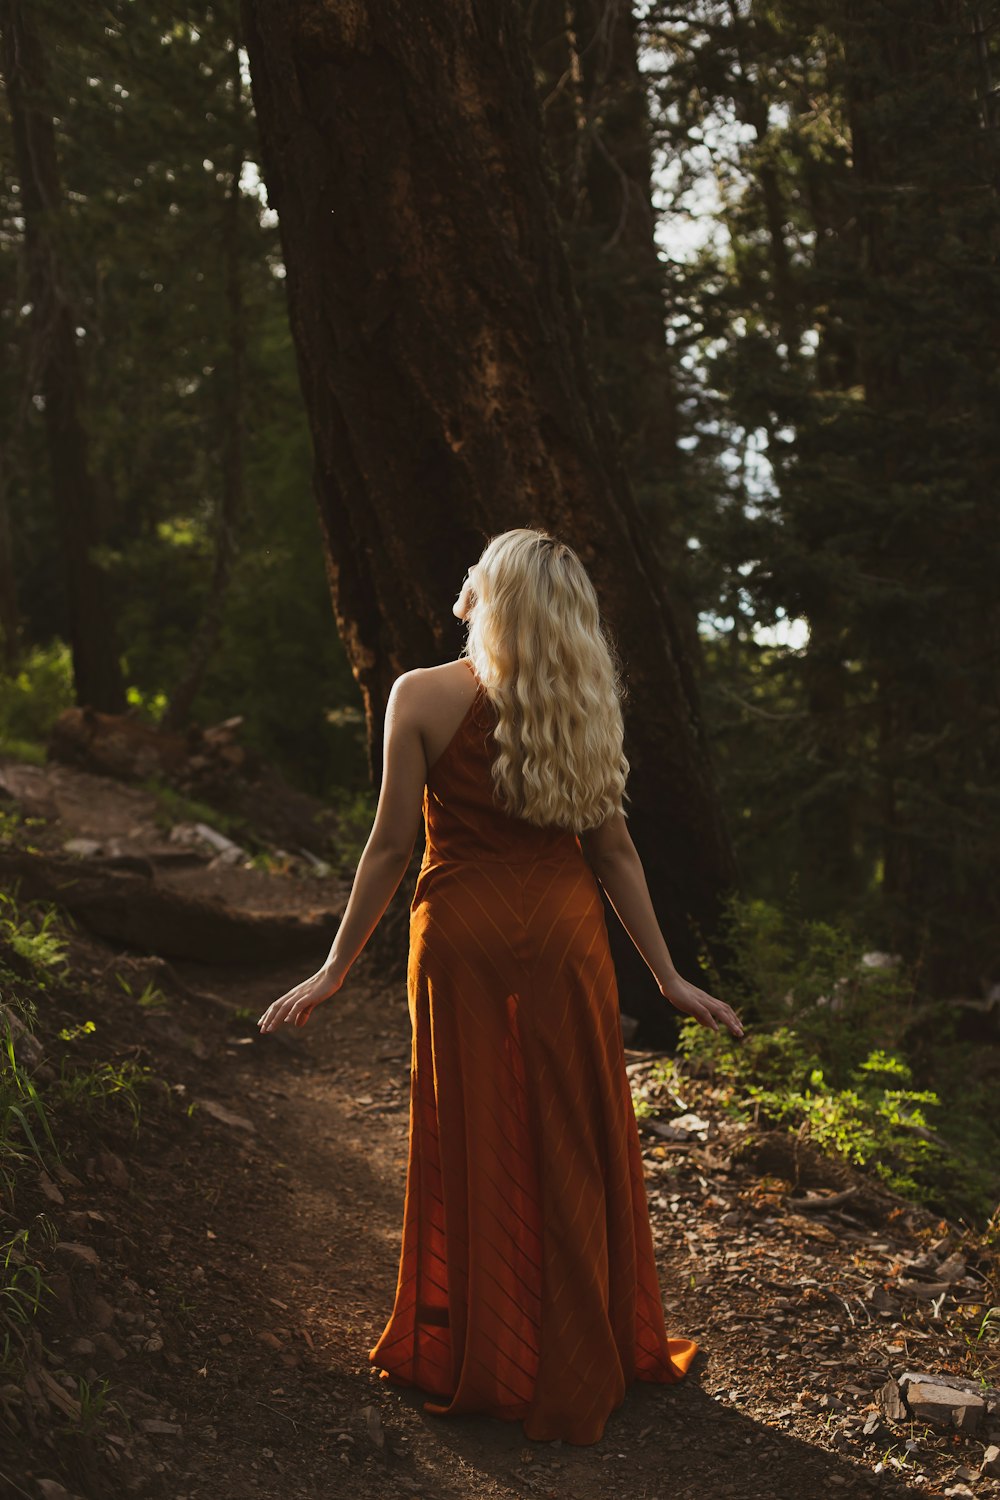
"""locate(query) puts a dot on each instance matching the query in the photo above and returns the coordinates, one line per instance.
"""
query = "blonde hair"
(552, 673)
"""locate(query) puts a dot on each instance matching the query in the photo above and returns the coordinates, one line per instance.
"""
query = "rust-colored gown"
(527, 1285)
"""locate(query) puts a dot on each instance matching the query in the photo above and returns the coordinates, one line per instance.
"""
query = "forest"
(302, 303)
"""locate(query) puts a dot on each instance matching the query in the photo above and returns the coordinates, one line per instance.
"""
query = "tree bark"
(599, 138)
(441, 353)
(96, 666)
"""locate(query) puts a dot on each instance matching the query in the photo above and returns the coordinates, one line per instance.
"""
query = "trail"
(301, 1272)
(231, 1266)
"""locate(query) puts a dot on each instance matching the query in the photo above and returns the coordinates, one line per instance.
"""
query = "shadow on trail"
(322, 1184)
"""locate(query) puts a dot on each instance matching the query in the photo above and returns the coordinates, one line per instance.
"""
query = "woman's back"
(463, 820)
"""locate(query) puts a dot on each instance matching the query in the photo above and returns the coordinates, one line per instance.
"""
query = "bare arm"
(613, 857)
(383, 863)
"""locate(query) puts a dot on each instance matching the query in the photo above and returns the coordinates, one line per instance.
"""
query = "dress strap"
(472, 669)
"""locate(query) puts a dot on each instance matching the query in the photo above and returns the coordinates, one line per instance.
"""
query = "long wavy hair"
(552, 672)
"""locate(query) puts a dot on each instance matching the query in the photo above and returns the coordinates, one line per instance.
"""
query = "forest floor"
(227, 1268)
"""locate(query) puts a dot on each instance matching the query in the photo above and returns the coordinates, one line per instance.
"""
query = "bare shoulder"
(426, 694)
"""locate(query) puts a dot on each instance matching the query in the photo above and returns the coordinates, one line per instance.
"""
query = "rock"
(154, 1425)
(890, 1398)
(991, 1462)
(952, 1269)
(832, 1403)
(875, 1293)
(226, 1116)
(61, 1287)
(51, 1489)
(373, 1424)
(938, 1399)
(113, 1169)
(109, 1344)
(66, 1177)
(688, 1127)
(49, 1189)
(78, 1256)
(83, 1346)
(85, 848)
(202, 833)
(27, 1048)
(86, 1221)
(100, 1313)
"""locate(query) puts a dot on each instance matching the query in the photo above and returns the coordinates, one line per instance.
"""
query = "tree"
(443, 364)
(54, 364)
(843, 326)
(232, 410)
(597, 130)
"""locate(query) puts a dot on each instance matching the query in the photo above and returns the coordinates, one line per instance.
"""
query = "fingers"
(277, 1014)
(709, 1011)
(295, 1008)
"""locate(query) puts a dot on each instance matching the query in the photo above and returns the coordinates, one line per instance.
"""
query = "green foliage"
(25, 1131)
(833, 1049)
(33, 698)
(833, 339)
(91, 1090)
(817, 977)
(96, 1405)
(35, 939)
(22, 1289)
(153, 119)
(354, 814)
(44, 1115)
(149, 998)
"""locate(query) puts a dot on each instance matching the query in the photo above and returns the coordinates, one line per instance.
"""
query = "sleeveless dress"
(527, 1286)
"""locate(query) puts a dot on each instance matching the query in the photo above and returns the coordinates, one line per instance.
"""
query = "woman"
(527, 1286)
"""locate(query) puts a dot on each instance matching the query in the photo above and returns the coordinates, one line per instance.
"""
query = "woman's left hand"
(295, 1008)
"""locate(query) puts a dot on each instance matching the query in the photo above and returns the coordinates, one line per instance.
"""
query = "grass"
(149, 998)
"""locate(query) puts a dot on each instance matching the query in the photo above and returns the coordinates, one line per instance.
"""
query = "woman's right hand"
(295, 1007)
(692, 1001)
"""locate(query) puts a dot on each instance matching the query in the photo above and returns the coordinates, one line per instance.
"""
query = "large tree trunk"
(96, 667)
(595, 111)
(441, 354)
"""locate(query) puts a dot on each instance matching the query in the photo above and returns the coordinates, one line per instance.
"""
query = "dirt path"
(299, 1247)
(245, 1249)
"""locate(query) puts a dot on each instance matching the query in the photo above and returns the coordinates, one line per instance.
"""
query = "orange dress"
(527, 1286)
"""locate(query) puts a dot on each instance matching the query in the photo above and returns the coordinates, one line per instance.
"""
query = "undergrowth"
(60, 1097)
(842, 1046)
